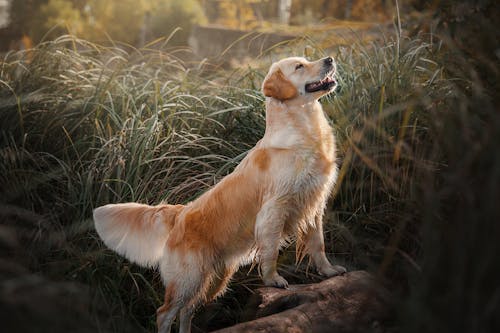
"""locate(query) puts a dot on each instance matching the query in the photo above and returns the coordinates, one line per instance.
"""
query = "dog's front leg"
(268, 232)
(315, 248)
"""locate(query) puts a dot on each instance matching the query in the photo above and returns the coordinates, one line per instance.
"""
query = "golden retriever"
(278, 192)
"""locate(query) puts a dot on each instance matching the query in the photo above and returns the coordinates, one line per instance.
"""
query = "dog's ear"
(278, 86)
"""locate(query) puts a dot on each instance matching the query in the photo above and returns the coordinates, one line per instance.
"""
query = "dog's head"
(297, 77)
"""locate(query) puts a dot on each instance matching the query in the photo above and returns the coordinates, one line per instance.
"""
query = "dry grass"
(84, 125)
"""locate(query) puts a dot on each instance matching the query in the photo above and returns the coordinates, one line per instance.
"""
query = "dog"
(276, 194)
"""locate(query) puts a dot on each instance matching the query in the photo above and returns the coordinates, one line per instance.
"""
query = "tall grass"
(121, 123)
(383, 114)
(84, 125)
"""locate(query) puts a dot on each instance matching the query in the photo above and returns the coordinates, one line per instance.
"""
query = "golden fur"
(277, 193)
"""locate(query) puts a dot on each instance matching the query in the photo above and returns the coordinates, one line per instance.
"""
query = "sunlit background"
(137, 22)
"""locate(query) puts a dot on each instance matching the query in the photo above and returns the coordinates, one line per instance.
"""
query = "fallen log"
(353, 302)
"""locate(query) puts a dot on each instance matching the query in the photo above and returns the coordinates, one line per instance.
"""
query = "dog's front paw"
(330, 270)
(276, 281)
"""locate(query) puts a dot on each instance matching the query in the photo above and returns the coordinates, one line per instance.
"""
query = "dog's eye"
(298, 66)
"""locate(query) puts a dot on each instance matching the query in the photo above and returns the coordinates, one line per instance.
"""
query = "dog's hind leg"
(165, 315)
(212, 286)
(220, 281)
(185, 317)
(183, 302)
(186, 289)
(165, 318)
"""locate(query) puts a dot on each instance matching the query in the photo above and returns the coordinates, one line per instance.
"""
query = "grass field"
(83, 125)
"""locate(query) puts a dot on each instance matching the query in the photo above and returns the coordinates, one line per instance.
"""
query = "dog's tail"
(138, 232)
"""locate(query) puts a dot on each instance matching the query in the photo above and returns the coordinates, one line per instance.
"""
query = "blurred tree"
(372, 9)
(425, 4)
(240, 14)
(312, 11)
(59, 17)
(166, 16)
(284, 11)
(22, 14)
(473, 27)
(119, 20)
(129, 21)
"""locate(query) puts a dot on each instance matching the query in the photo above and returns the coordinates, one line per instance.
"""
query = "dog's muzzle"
(328, 80)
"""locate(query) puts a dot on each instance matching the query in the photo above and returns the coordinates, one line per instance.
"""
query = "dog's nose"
(328, 61)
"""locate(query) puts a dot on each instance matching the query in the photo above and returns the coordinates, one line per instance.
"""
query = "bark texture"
(353, 302)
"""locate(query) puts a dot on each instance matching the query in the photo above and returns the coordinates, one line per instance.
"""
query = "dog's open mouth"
(325, 84)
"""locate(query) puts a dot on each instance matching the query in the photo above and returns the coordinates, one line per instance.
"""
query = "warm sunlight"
(249, 166)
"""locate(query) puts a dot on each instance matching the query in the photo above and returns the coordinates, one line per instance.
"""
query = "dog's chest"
(306, 169)
(314, 174)
(315, 155)
(313, 169)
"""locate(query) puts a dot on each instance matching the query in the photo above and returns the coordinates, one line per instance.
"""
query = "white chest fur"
(304, 133)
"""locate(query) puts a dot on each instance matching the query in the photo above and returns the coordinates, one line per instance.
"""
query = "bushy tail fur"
(138, 232)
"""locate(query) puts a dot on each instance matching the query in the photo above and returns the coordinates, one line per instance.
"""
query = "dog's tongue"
(313, 86)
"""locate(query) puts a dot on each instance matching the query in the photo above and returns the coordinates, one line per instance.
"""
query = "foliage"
(234, 14)
(83, 125)
(98, 125)
(62, 16)
(119, 20)
(22, 14)
(169, 15)
(126, 21)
